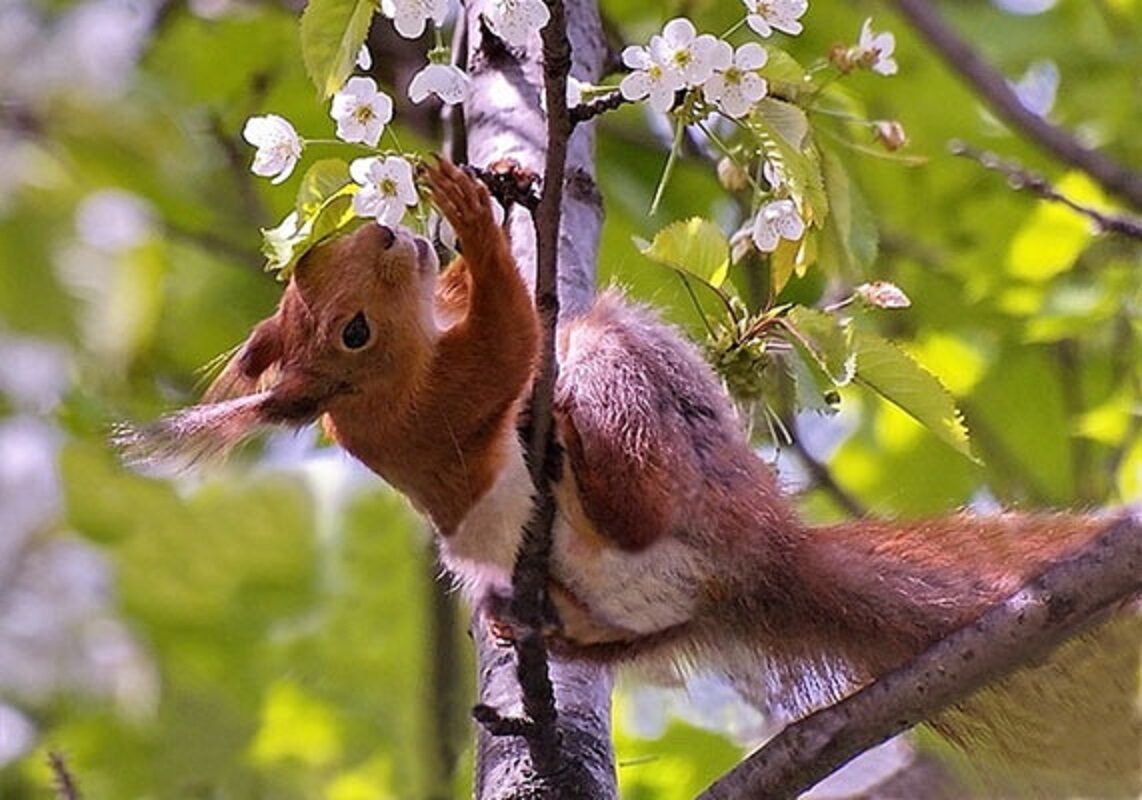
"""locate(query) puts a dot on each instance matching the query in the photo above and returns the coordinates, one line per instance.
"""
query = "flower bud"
(890, 133)
(732, 177)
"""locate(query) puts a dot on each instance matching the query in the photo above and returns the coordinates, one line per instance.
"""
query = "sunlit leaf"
(332, 32)
(321, 181)
(889, 371)
(850, 238)
(827, 338)
(696, 247)
(284, 245)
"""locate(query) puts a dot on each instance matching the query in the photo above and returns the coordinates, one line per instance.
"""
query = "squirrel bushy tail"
(1069, 725)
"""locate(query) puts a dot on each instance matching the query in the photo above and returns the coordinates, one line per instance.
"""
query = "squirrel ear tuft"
(245, 373)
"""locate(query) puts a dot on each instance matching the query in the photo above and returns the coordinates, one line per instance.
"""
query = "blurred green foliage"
(287, 628)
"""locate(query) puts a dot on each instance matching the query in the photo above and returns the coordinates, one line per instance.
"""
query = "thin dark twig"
(594, 108)
(993, 89)
(529, 603)
(1023, 180)
(65, 785)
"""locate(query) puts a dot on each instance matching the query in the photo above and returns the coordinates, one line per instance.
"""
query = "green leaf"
(696, 247)
(783, 70)
(782, 134)
(320, 182)
(891, 373)
(284, 245)
(332, 32)
(851, 239)
(826, 338)
(786, 120)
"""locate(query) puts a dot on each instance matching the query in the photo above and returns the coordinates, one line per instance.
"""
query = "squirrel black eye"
(355, 334)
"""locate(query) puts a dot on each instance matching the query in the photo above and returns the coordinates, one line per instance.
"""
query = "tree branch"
(62, 778)
(1070, 596)
(995, 91)
(1021, 179)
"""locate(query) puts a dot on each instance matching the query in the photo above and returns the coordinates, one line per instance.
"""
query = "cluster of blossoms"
(680, 58)
(677, 59)
(362, 111)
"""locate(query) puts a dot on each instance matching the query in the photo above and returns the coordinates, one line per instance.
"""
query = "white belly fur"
(646, 591)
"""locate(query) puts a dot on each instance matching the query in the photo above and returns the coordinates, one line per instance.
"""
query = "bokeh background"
(274, 628)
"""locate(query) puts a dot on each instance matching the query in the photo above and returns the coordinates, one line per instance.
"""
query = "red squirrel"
(672, 536)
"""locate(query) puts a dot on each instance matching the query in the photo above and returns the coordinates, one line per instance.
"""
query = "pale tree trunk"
(504, 121)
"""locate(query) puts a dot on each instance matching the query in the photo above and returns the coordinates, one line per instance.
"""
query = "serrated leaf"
(800, 165)
(320, 182)
(332, 32)
(851, 238)
(786, 120)
(826, 338)
(893, 374)
(696, 247)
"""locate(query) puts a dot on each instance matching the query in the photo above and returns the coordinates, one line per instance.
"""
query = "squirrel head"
(358, 309)
(357, 317)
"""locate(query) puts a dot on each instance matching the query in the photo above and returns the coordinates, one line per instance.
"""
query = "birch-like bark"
(505, 121)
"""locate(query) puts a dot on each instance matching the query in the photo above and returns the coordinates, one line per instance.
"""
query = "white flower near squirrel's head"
(446, 81)
(777, 219)
(515, 21)
(361, 111)
(279, 146)
(410, 16)
(651, 78)
(874, 50)
(693, 57)
(736, 87)
(767, 16)
(386, 188)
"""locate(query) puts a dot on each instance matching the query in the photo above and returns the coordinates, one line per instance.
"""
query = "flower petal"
(750, 55)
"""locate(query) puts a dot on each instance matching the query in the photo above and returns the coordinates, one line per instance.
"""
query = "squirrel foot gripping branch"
(672, 540)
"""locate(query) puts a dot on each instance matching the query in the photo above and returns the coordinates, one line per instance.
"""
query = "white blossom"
(361, 111)
(516, 20)
(777, 219)
(694, 57)
(874, 50)
(364, 58)
(410, 16)
(446, 81)
(386, 188)
(737, 87)
(651, 78)
(279, 146)
(766, 16)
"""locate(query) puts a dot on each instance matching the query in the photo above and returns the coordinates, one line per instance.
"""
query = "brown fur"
(659, 467)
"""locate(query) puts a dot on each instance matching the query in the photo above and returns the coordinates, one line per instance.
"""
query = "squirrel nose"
(387, 236)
